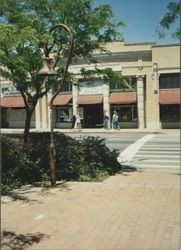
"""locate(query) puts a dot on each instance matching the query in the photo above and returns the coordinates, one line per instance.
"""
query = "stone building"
(150, 100)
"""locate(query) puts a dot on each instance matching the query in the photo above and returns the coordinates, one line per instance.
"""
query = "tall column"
(49, 96)
(106, 106)
(38, 115)
(41, 113)
(44, 112)
(140, 102)
(74, 97)
(152, 100)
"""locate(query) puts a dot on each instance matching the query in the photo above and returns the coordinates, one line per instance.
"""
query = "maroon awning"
(122, 98)
(89, 99)
(12, 102)
(62, 100)
(169, 96)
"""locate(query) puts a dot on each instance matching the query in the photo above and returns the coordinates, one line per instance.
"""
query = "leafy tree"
(168, 19)
(25, 40)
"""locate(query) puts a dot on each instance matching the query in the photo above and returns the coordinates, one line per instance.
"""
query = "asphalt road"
(160, 151)
(117, 141)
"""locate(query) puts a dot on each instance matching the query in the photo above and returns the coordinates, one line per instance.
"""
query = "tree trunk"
(29, 113)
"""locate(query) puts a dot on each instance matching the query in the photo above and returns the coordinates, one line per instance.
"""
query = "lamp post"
(46, 71)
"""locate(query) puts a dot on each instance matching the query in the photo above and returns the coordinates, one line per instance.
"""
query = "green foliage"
(168, 19)
(107, 75)
(83, 159)
(17, 167)
(25, 39)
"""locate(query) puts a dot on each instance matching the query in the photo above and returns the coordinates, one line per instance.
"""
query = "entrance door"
(93, 116)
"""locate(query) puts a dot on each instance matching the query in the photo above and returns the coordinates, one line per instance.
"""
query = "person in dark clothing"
(73, 121)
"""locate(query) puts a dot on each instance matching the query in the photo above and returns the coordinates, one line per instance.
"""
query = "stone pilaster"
(152, 100)
(74, 97)
(140, 102)
(41, 113)
(44, 111)
(106, 106)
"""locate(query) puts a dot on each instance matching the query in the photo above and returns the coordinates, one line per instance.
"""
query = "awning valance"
(62, 100)
(89, 99)
(12, 102)
(122, 98)
(169, 96)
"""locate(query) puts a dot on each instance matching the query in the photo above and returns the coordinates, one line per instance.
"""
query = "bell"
(45, 70)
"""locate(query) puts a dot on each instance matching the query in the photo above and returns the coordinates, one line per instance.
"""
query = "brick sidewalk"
(132, 210)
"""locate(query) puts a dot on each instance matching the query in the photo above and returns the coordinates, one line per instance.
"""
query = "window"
(63, 114)
(128, 84)
(169, 81)
(67, 87)
(125, 113)
(170, 113)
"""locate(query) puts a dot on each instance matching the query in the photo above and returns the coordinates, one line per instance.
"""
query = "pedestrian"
(106, 119)
(115, 121)
(73, 121)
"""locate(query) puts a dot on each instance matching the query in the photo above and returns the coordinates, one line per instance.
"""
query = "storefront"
(13, 112)
(90, 111)
(63, 111)
(124, 103)
(170, 108)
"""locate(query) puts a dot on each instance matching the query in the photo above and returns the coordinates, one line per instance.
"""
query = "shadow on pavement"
(127, 169)
(23, 198)
(41, 188)
(11, 240)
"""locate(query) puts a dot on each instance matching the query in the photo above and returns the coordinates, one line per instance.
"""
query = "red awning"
(89, 99)
(122, 98)
(169, 96)
(12, 102)
(62, 100)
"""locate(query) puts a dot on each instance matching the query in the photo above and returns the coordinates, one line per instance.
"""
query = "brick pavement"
(132, 210)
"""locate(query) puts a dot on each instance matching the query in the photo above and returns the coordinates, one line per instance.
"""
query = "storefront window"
(170, 113)
(126, 113)
(63, 114)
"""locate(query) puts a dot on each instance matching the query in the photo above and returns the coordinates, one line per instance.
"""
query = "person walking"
(106, 119)
(73, 121)
(115, 121)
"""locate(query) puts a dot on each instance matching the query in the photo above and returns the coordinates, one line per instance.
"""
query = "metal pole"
(52, 144)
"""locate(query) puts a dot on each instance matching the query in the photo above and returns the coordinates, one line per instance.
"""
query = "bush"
(83, 159)
(17, 168)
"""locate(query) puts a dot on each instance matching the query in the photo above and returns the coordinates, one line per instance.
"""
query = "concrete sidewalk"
(131, 210)
(96, 131)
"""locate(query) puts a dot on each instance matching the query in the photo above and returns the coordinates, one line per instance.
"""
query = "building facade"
(151, 98)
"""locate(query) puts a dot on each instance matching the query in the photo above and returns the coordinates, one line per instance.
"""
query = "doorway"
(93, 116)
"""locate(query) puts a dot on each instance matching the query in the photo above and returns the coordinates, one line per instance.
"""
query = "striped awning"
(89, 99)
(12, 102)
(122, 98)
(169, 96)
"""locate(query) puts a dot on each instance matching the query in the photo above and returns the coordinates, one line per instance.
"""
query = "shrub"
(84, 159)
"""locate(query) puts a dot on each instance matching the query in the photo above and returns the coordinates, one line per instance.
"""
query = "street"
(118, 141)
(159, 151)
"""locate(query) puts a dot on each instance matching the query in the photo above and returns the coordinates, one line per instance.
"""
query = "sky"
(142, 18)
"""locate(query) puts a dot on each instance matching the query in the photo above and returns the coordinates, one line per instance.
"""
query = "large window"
(169, 81)
(63, 114)
(126, 113)
(170, 113)
(128, 84)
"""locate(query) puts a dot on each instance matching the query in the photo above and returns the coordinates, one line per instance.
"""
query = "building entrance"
(93, 116)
